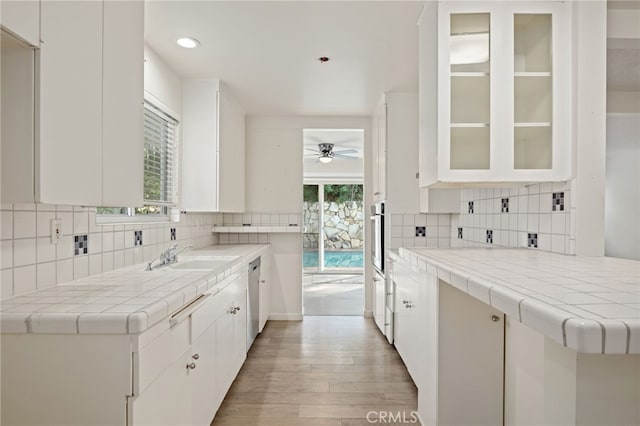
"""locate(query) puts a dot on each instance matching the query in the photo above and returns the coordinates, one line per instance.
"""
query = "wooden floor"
(323, 371)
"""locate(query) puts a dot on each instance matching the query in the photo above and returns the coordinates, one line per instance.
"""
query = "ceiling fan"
(326, 154)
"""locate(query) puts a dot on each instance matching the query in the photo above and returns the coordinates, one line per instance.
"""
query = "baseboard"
(285, 317)
(368, 314)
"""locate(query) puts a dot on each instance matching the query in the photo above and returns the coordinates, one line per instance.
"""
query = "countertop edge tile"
(544, 318)
(14, 322)
(102, 323)
(616, 339)
(505, 300)
(585, 335)
(53, 323)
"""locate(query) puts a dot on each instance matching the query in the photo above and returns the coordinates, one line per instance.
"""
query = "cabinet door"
(122, 150)
(225, 354)
(503, 92)
(231, 145)
(69, 153)
(380, 151)
(167, 401)
(18, 125)
(240, 332)
(22, 18)
(379, 299)
(403, 328)
(199, 145)
(203, 378)
(470, 360)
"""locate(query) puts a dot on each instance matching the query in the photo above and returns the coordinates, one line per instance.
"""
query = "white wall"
(161, 81)
(274, 178)
(622, 201)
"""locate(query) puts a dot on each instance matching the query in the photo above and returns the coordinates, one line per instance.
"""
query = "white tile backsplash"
(530, 211)
(30, 260)
(403, 230)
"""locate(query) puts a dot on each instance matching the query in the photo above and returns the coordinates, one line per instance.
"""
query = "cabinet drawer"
(157, 355)
(217, 305)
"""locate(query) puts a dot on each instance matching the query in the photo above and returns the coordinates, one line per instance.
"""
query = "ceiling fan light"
(325, 159)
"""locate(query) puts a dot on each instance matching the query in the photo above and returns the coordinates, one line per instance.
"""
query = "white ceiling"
(268, 51)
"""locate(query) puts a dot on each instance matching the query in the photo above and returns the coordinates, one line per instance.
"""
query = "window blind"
(160, 140)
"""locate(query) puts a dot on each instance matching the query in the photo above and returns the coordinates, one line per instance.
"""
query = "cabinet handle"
(495, 318)
(389, 294)
(376, 193)
(409, 306)
(405, 301)
(232, 311)
(262, 281)
(191, 366)
(196, 356)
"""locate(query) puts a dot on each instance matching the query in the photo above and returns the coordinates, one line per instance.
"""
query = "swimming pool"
(333, 259)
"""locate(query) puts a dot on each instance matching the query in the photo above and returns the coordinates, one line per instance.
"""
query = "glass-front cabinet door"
(503, 92)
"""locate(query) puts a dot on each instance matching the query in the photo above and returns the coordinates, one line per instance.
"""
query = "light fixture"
(188, 42)
(325, 158)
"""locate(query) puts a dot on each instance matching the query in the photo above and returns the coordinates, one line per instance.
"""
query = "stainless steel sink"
(198, 265)
(201, 263)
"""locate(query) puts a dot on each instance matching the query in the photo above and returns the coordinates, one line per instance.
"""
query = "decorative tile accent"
(421, 231)
(173, 234)
(470, 206)
(490, 236)
(505, 205)
(81, 244)
(557, 202)
(137, 238)
(532, 240)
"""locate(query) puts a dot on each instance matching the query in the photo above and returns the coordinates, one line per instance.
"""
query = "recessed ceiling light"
(188, 42)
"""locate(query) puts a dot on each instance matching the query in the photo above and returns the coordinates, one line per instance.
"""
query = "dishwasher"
(253, 302)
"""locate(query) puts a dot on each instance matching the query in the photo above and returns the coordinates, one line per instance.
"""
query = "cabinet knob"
(495, 318)
(409, 306)
(232, 311)
(195, 356)
(237, 308)
(405, 301)
(191, 366)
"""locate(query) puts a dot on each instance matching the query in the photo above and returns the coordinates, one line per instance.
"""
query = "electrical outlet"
(56, 231)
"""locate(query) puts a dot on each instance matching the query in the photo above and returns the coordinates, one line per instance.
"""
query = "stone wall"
(343, 225)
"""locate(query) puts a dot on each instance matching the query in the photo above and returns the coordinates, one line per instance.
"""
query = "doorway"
(333, 220)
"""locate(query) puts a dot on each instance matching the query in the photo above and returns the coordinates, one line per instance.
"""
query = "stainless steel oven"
(377, 237)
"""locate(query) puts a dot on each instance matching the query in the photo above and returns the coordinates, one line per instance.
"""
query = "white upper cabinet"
(89, 141)
(22, 19)
(495, 92)
(213, 148)
(379, 151)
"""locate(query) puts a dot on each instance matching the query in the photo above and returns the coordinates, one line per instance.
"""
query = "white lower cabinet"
(175, 373)
(453, 348)
(193, 386)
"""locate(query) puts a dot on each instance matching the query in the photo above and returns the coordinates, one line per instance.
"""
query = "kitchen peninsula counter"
(518, 336)
(589, 304)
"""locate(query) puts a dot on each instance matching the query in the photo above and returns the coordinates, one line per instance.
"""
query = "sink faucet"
(168, 256)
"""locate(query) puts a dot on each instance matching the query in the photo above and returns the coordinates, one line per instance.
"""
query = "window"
(160, 174)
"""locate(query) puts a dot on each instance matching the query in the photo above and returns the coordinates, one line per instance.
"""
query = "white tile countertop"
(128, 300)
(589, 304)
